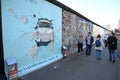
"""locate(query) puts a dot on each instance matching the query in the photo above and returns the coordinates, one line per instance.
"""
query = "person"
(80, 45)
(105, 38)
(99, 45)
(89, 41)
(112, 46)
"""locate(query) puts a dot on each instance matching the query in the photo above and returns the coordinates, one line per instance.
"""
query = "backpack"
(97, 43)
(113, 42)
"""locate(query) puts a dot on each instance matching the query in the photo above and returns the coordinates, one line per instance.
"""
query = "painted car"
(44, 32)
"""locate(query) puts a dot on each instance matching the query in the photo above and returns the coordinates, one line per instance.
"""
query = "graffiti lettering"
(37, 64)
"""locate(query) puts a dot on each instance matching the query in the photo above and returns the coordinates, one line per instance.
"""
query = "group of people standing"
(109, 41)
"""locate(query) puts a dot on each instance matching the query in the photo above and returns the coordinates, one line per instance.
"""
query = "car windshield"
(44, 24)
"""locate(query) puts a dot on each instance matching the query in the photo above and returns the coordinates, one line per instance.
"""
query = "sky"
(102, 12)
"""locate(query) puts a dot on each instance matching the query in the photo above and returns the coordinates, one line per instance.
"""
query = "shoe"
(81, 53)
(78, 54)
(113, 61)
(64, 57)
(99, 59)
(86, 55)
(110, 59)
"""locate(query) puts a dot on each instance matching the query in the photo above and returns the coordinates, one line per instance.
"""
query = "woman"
(80, 45)
(99, 45)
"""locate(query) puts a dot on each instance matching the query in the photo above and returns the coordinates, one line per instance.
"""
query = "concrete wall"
(18, 26)
(19, 19)
(72, 27)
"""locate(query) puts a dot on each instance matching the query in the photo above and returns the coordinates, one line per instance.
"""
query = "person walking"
(99, 45)
(80, 45)
(105, 38)
(112, 46)
(89, 41)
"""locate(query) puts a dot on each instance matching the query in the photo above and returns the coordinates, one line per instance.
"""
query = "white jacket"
(102, 46)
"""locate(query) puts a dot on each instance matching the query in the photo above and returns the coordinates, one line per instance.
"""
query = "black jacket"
(111, 43)
(91, 40)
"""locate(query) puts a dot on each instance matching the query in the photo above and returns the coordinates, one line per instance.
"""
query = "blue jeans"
(98, 53)
(88, 49)
(111, 54)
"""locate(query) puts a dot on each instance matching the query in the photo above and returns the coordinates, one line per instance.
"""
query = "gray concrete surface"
(79, 68)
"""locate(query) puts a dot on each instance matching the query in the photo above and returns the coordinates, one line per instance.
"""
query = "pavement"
(78, 68)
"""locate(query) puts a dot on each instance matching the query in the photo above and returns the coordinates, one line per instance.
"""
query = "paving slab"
(79, 68)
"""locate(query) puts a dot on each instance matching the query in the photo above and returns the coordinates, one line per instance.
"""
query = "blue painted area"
(37, 65)
(19, 19)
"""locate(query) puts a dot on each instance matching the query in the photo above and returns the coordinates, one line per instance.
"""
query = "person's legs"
(110, 55)
(98, 54)
(89, 49)
(78, 49)
(105, 42)
(86, 50)
(81, 47)
(113, 55)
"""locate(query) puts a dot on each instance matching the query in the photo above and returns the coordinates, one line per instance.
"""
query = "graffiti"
(43, 32)
(22, 17)
(29, 67)
(36, 33)
(43, 35)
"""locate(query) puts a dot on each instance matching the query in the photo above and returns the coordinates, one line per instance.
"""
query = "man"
(105, 38)
(89, 41)
(112, 46)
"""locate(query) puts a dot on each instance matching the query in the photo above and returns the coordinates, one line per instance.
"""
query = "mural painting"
(32, 33)
(73, 26)
(43, 35)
